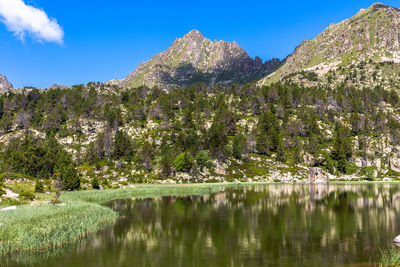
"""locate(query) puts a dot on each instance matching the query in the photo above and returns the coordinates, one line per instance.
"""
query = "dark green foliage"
(2, 192)
(342, 147)
(123, 146)
(41, 159)
(39, 188)
(290, 121)
(239, 146)
(269, 138)
(217, 140)
(146, 155)
(27, 195)
(69, 177)
(167, 163)
(183, 162)
(202, 159)
(95, 183)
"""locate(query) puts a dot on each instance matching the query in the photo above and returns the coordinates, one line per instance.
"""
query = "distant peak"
(193, 34)
(378, 5)
(4, 83)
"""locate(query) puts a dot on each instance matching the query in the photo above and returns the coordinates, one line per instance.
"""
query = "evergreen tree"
(123, 146)
(183, 162)
(342, 147)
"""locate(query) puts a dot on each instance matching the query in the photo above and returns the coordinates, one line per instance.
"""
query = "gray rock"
(397, 239)
(9, 208)
(318, 175)
(4, 83)
(395, 164)
(58, 86)
(195, 58)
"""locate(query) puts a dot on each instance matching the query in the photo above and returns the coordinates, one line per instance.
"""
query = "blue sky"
(102, 40)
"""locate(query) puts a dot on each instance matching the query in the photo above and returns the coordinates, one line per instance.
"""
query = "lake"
(260, 225)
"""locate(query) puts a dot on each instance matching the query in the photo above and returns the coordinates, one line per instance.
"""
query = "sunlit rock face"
(4, 83)
(372, 35)
(193, 59)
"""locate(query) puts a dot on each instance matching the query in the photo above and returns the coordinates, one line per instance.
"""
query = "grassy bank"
(147, 191)
(48, 226)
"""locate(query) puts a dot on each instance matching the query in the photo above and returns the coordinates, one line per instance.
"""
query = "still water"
(262, 225)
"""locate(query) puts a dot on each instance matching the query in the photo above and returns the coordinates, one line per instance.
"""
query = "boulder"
(397, 239)
(318, 175)
(9, 208)
(395, 164)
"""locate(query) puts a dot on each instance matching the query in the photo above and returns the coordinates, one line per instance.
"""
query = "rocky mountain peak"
(195, 58)
(371, 34)
(193, 35)
(378, 5)
(4, 83)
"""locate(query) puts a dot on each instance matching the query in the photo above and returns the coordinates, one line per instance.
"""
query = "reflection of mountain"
(271, 225)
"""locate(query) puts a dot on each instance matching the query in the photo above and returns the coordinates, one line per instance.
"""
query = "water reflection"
(271, 225)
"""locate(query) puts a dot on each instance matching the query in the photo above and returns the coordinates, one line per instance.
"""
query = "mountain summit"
(4, 83)
(373, 33)
(195, 58)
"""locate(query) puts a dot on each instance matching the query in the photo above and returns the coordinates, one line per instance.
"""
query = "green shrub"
(392, 173)
(39, 188)
(69, 177)
(95, 183)
(183, 162)
(202, 159)
(105, 183)
(369, 172)
(27, 195)
(2, 192)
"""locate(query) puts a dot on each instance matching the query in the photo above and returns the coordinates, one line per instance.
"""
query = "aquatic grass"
(35, 228)
(147, 191)
(390, 257)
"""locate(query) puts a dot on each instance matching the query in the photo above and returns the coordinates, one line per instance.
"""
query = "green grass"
(21, 187)
(144, 191)
(390, 257)
(50, 226)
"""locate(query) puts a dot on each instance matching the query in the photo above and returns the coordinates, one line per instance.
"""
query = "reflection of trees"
(253, 226)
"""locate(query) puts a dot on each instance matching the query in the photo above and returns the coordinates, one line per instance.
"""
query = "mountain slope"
(195, 58)
(372, 35)
(4, 83)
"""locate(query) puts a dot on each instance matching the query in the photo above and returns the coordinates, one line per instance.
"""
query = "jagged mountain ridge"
(373, 34)
(4, 83)
(195, 58)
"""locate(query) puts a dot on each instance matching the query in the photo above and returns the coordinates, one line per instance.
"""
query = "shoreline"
(43, 227)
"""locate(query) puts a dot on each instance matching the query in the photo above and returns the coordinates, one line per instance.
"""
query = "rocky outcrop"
(372, 34)
(195, 58)
(4, 84)
(317, 175)
(58, 86)
(395, 164)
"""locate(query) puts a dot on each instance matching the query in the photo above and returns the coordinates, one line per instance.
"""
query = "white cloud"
(23, 19)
